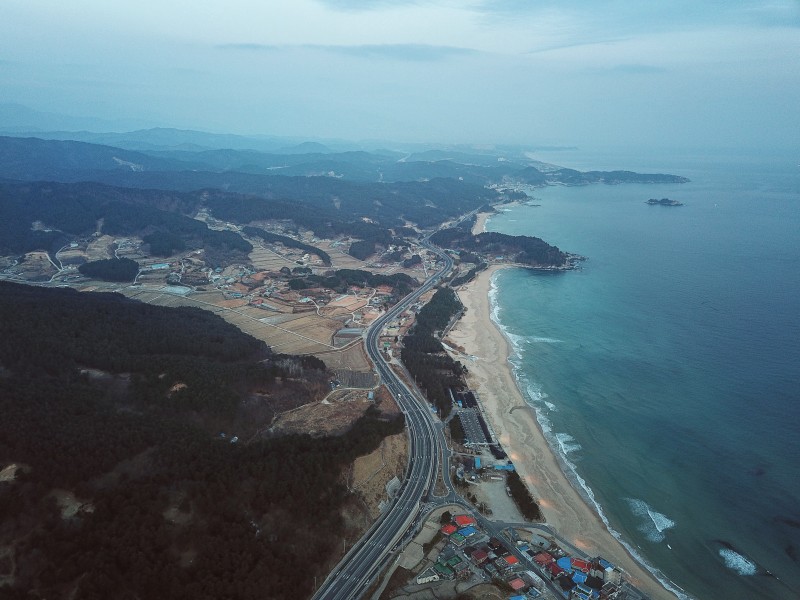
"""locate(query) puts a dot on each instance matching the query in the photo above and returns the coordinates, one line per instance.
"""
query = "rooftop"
(516, 584)
(464, 520)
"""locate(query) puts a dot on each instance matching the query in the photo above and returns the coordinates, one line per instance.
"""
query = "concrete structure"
(427, 576)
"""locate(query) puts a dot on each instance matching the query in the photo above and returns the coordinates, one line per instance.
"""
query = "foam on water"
(533, 395)
(737, 562)
(545, 340)
(653, 524)
(567, 443)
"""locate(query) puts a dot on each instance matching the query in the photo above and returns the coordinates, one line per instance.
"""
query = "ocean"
(666, 371)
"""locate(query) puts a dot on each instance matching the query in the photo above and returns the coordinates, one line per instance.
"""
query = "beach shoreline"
(480, 222)
(518, 430)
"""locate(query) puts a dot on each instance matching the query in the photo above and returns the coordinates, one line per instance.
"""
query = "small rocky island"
(663, 202)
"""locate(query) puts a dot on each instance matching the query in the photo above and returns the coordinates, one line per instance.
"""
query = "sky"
(682, 74)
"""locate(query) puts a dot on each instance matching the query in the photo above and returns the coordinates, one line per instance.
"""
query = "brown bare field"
(352, 357)
(100, 248)
(372, 472)
(267, 260)
(36, 267)
(321, 418)
(303, 333)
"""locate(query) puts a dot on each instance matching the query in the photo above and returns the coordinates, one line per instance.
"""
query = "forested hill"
(424, 202)
(124, 489)
(61, 158)
(66, 211)
(523, 249)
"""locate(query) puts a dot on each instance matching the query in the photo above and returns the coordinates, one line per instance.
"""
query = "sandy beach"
(516, 425)
(480, 223)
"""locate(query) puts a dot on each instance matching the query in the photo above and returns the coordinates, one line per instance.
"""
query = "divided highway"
(395, 527)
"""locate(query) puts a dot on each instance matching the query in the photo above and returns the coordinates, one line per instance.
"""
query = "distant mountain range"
(31, 158)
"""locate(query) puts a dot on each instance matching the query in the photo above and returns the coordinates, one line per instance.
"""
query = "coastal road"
(397, 524)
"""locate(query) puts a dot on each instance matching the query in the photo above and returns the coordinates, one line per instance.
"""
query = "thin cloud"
(407, 52)
(404, 52)
(366, 5)
(637, 69)
(249, 47)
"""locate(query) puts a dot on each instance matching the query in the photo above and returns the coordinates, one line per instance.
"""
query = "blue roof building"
(468, 531)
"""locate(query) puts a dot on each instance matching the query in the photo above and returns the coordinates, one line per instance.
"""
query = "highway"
(396, 525)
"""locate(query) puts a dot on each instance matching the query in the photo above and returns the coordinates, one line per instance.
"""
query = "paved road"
(398, 523)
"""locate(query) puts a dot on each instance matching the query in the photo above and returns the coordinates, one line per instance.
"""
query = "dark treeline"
(340, 280)
(522, 497)
(175, 512)
(287, 241)
(516, 248)
(113, 269)
(437, 313)
(415, 259)
(163, 243)
(423, 354)
(109, 331)
(468, 276)
(362, 249)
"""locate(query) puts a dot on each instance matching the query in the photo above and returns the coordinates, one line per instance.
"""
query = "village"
(516, 562)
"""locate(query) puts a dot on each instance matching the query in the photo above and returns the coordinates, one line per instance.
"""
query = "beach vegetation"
(424, 356)
(522, 497)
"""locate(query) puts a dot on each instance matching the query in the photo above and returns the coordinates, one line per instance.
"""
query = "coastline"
(515, 423)
(480, 222)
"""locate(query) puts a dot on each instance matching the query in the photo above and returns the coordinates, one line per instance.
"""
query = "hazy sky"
(674, 73)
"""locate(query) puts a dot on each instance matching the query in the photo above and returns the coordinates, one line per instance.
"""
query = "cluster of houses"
(470, 552)
(578, 578)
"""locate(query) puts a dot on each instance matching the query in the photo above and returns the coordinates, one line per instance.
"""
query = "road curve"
(397, 524)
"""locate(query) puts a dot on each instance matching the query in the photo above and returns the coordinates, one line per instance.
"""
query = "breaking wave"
(535, 397)
(546, 340)
(653, 524)
(737, 562)
(567, 443)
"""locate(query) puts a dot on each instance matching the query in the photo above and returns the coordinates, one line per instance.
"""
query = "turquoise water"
(667, 370)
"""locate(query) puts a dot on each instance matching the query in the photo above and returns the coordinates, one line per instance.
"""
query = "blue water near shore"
(666, 371)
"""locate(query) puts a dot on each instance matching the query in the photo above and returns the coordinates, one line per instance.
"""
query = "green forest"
(523, 249)
(121, 404)
(424, 356)
(112, 269)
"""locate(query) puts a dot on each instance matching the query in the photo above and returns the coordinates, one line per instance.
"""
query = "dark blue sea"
(666, 372)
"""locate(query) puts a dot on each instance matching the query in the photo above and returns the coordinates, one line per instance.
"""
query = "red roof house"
(543, 558)
(511, 559)
(580, 564)
(449, 529)
(554, 569)
(516, 584)
(479, 557)
(464, 520)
